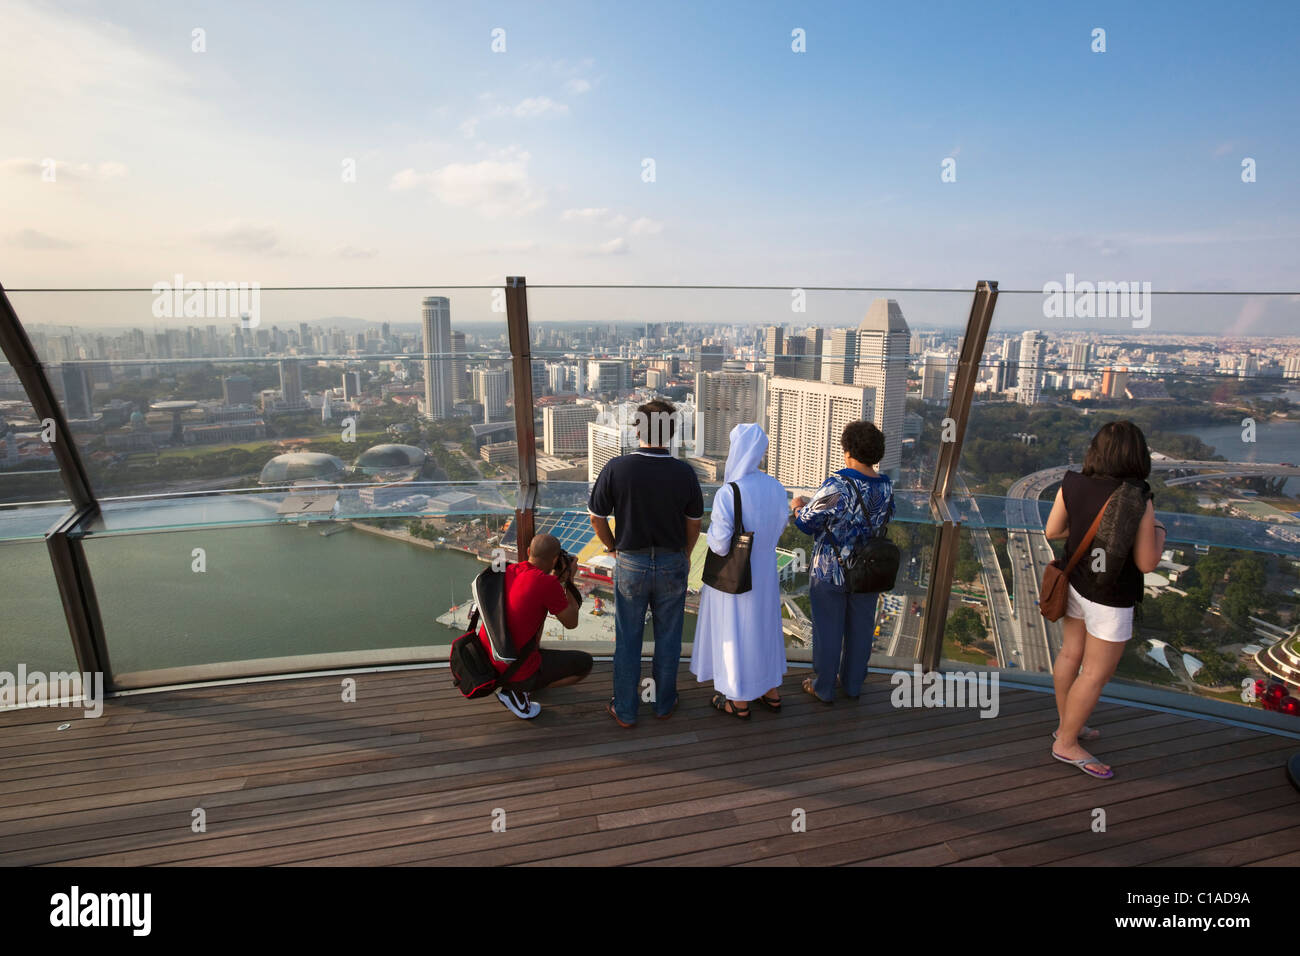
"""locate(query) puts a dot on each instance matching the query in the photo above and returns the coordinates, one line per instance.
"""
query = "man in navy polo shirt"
(657, 506)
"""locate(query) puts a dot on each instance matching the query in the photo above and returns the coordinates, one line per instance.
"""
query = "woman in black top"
(1107, 581)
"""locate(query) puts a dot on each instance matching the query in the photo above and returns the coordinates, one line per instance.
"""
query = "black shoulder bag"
(873, 565)
(730, 573)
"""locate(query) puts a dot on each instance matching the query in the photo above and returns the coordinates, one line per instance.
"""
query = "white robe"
(738, 640)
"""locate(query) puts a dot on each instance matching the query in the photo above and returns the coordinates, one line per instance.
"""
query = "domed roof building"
(389, 458)
(301, 466)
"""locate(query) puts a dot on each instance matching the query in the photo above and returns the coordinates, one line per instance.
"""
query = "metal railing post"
(944, 558)
(71, 571)
(525, 433)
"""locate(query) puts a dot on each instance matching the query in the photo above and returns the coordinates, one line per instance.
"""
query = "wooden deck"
(411, 774)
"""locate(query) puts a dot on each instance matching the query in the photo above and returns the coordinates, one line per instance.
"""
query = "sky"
(771, 166)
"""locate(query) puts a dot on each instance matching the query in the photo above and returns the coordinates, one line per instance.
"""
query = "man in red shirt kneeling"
(543, 583)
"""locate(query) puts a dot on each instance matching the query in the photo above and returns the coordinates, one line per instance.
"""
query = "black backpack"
(873, 565)
(472, 669)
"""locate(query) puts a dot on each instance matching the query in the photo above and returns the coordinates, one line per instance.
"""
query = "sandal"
(808, 688)
(724, 706)
(773, 705)
(1084, 762)
(1087, 733)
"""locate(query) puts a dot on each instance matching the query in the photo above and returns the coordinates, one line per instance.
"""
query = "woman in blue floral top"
(853, 503)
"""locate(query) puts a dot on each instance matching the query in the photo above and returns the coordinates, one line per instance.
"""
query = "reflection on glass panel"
(28, 471)
(33, 629)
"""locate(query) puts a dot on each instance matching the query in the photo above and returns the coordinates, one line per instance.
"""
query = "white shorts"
(1102, 621)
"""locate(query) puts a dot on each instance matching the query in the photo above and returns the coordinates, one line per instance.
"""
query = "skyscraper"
(724, 400)
(1033, 351)
(459, 375)
(1011, 356)
(1080, 353)
(709, 358)
(351, 385)
(291, 384)
(934, 377)
(883, 341)
(804, 423)
(237, 390)
(492, 386)
(78, 392)
(606, 442)
(436, 316)
(816, 341)
(773, 346)
(841, 358)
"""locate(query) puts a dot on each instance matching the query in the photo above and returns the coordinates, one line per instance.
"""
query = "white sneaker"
(517, 703)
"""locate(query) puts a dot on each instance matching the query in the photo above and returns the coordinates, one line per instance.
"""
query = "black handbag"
(730, 573)
(873, 565)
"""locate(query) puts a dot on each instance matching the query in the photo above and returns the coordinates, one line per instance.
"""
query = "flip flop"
(1082, 764)
(1087, 733)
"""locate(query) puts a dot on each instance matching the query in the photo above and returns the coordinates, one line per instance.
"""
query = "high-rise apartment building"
(804, 423)
(564, 429)
(883, 341)
(1033, 353)
(773, 348)
(724, 400)
(438, 362)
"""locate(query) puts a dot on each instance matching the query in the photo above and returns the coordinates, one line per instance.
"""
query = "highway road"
(1006, 634)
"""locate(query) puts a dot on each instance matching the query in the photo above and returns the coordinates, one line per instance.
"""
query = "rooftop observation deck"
(410, 774)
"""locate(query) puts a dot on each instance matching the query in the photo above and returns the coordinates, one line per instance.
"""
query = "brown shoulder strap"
(1087, 538)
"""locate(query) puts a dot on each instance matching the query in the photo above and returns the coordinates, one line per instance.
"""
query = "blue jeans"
(843, 631)
(656, 581)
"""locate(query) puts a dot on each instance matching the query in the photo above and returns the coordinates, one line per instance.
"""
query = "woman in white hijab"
(738, 640)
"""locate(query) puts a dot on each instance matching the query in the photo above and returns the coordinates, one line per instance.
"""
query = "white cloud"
(353, 252)
(578, 86)
(614, 247)
(538, 106)
(645, 227)
(34, 239)
(602, 216)
(497, 186)
(64, 171)
(590, 214)
(238, 236)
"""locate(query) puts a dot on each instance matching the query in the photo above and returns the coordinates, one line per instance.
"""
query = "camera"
(563, 563)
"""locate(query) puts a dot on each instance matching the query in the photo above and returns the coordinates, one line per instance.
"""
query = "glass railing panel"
(280, 592)
(33, 629)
